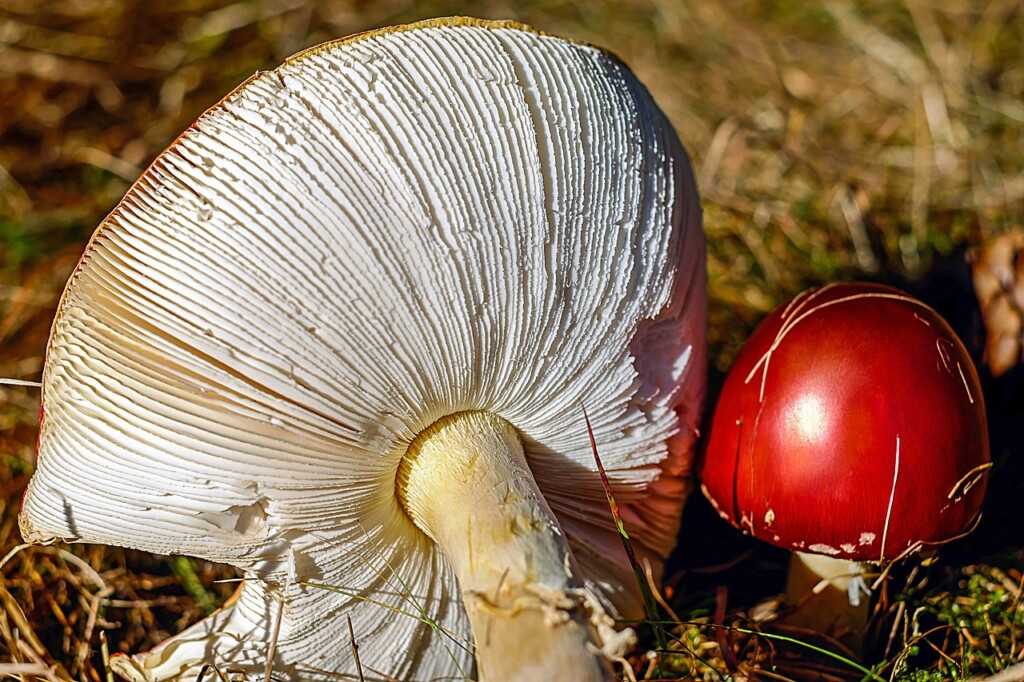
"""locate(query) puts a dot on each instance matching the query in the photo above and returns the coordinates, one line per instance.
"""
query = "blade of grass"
(868, 673)
(423, 619)
(185, 569)
(210, 667)
(650, 604)
(355, 649)
(20, 382)
(272, 649)
(721, 598)
(410, 597)
(108, 674)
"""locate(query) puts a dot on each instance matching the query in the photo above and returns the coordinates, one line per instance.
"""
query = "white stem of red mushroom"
(828, 595)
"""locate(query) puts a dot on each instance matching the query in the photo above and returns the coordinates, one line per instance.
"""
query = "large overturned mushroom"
(341, 335)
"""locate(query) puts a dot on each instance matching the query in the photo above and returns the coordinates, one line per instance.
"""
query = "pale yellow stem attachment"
(465, 483)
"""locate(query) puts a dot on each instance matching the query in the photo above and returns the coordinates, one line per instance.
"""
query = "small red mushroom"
(851, 426)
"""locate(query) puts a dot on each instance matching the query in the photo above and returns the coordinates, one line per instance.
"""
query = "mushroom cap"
(448, 216)
(851, 424)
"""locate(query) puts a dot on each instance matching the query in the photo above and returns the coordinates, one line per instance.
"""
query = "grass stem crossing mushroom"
(339, 335)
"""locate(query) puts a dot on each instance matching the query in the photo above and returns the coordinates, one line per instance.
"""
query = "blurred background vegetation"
(832, 139)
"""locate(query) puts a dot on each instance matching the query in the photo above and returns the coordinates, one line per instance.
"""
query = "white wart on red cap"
(451, 217)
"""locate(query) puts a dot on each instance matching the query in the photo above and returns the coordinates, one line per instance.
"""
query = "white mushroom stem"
(828, 595)
(465, 483)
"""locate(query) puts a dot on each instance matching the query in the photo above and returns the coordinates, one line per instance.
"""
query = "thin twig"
(272, 649)
(355, 649)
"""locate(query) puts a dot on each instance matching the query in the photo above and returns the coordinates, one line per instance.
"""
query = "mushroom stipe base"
(465, 483)
(829, 595)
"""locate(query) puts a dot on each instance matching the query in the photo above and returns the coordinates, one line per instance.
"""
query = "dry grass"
(832, 139)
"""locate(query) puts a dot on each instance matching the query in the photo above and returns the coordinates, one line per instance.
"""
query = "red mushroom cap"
(851, 424)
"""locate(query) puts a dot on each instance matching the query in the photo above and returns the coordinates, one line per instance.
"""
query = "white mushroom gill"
(455, 216)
